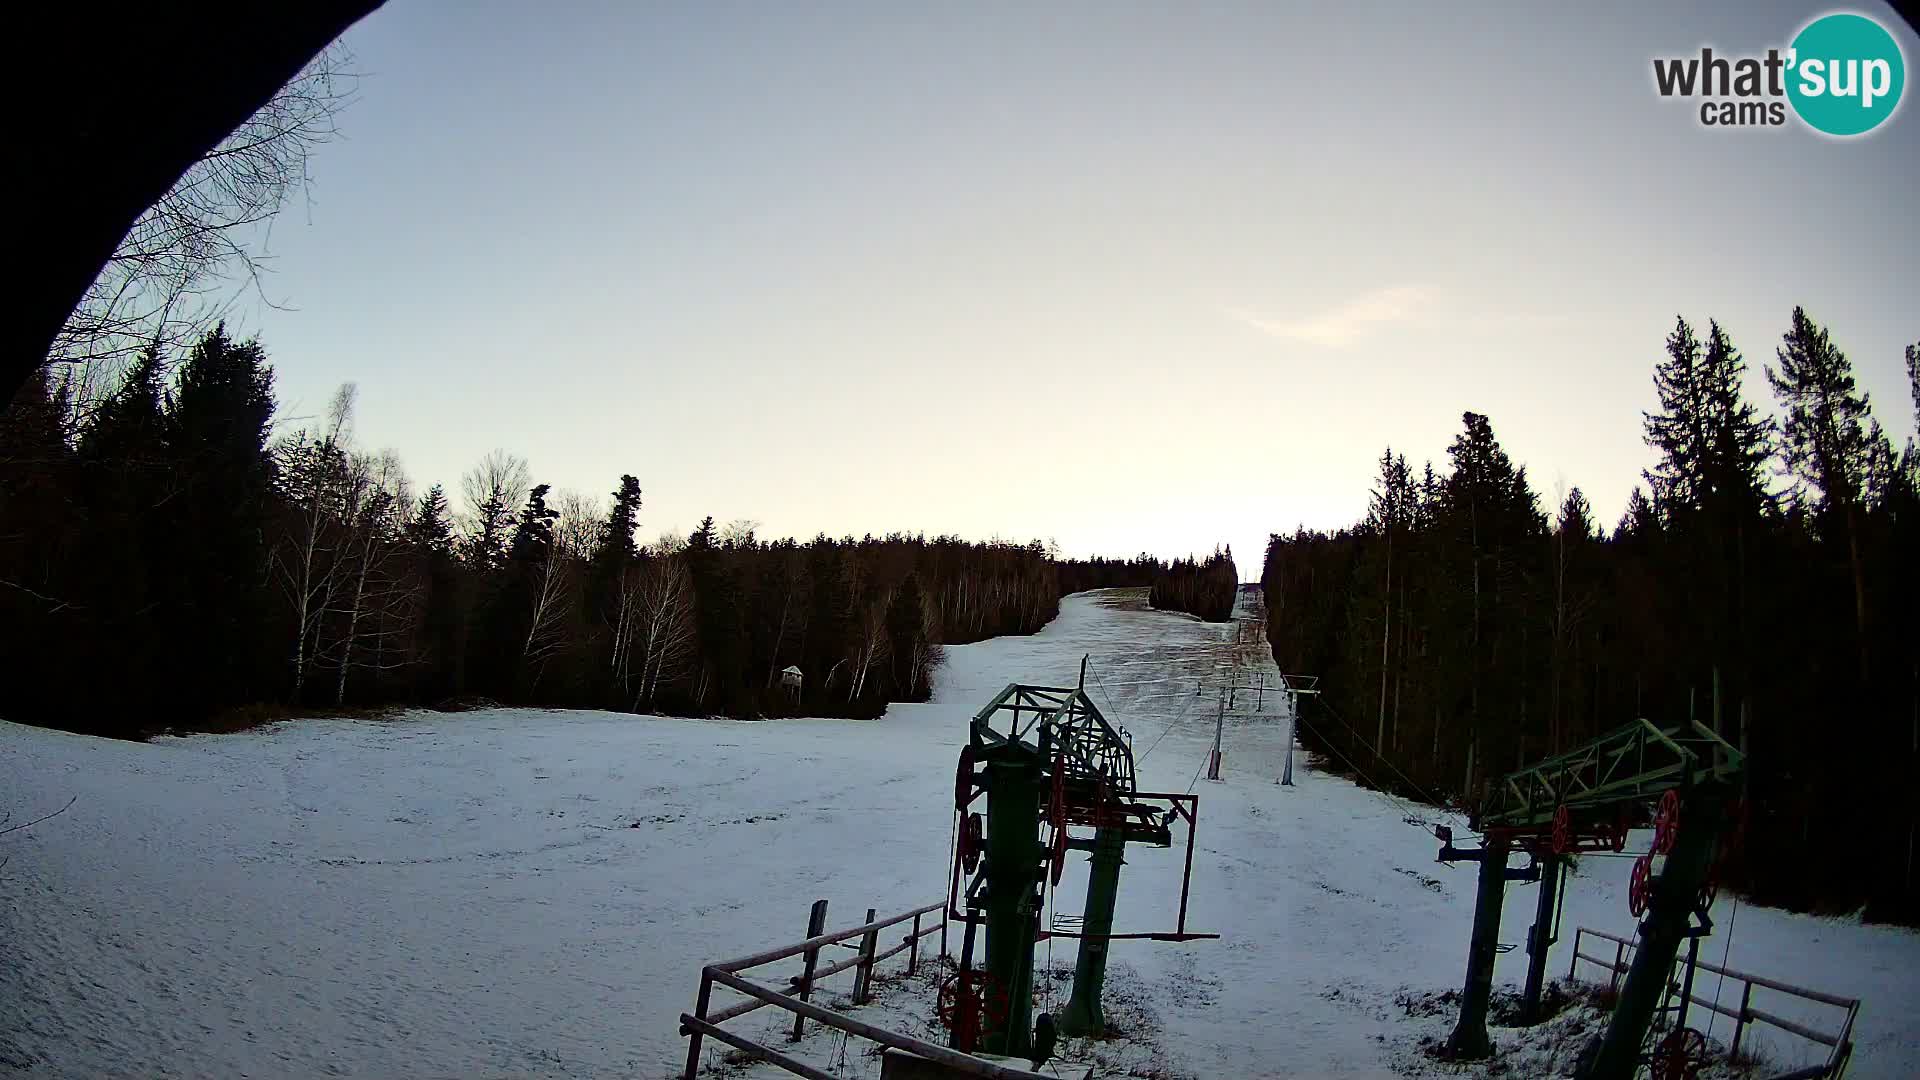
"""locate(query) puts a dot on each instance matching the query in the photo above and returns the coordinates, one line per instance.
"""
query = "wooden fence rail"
(1839, 1044)
(705, 1021)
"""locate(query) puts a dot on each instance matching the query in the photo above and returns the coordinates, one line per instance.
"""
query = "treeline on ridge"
(1204, 588)
(1763, 581)
(172, 555)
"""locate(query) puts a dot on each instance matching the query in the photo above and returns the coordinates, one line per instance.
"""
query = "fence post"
(913, 948)
(1739, 1025)
(863, 971)
(1577, 931)
(816, 925)
(1613, 979)
(700, 1012)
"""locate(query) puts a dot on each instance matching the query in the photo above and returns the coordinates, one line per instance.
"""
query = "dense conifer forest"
(1204, 588)
(177, 558)
(1763, 580)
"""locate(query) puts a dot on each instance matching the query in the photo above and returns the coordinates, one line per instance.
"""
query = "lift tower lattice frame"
(1585, 800)
(1054, 759)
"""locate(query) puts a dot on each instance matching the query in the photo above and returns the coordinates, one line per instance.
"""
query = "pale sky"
(1131, 277)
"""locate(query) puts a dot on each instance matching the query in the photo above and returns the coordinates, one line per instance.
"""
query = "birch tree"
(378, 496)
(665, 634)
(313, 471)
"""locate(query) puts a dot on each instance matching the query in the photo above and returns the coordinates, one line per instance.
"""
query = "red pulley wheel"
(971, 843)
(970, 1002)
(1666, 822)
(1640, 885)
(1562, 831)
(1680, 1055)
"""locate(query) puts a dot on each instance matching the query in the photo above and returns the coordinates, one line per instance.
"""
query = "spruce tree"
(617, 543)
(1827, 445)
(533, 536)
(127, 429)
(1678, 430)
(1740, 440)
(1710, 488)
(431, 528)
(211, 537)
(1640, 519)
(1824, 438)
(1492, 520)
(1913, 443)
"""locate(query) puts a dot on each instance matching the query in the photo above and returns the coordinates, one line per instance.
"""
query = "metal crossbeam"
(1064, 721)
(1629, 764)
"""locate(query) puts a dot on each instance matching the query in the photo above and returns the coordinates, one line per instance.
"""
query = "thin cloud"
(1350, 321)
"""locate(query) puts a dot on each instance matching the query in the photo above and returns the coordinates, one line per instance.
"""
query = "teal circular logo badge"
(1845, 74)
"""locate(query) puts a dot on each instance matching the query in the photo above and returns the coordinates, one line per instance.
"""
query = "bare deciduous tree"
(493, 489)
(203, 246)
(378, 497)
(664, 630)
(870, 647)
(314, 478)
(575, 535)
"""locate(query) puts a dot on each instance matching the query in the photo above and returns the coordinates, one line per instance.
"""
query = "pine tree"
(716, 616)
(1491, 518)
(1824, 437)
(1826, 443)
(1912, 461)
(127, 429)
(617, 543)
(1574, 539)
(211, 538)
(1640, 518)
(431, 528)
(1710, 488)
(1739, 439)
(533, 537)
(1389, 512)
(1678, 430)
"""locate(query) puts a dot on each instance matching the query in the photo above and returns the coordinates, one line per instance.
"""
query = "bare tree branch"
(41, 818)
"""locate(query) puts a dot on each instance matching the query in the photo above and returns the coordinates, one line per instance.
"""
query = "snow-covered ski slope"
(531, 893)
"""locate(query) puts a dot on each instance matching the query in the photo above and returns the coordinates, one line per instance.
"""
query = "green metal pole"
(1469, 1040)
(1084, 1015)
(1540, 939)
(1665, 926)
(1013, 782)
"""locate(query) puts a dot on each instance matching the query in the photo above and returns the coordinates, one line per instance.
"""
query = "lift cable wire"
(1197, 771)
(1423, 794)
(1725, 955)
(1404, 809)
(1175, 722)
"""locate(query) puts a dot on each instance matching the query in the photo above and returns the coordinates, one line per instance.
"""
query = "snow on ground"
(532, 893)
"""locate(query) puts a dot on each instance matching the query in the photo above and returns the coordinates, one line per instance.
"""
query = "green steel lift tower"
(1054, 762)
(1585, 800)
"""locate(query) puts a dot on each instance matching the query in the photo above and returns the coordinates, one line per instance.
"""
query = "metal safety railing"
(1839, 1044)
(704, 1021)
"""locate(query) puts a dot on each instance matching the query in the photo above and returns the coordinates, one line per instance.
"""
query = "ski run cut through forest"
(519, 892)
